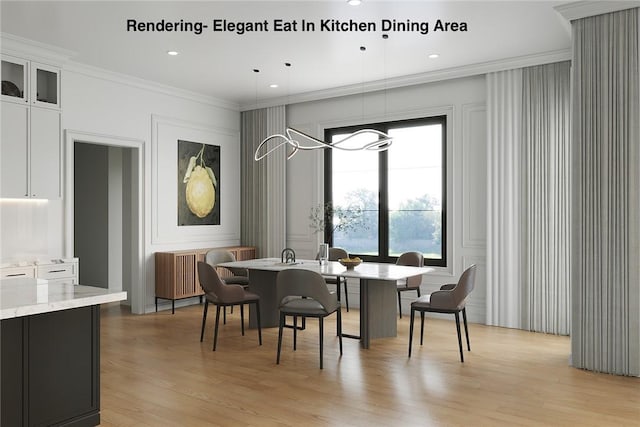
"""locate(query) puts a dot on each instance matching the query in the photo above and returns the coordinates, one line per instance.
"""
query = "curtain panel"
(546, 111)
(606, 213)
(528, 241)
(263, 183)
(504, 191)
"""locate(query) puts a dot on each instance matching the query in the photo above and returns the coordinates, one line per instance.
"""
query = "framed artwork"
(198, 183)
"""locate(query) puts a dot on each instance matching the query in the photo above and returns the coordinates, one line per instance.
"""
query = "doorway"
(104, 200)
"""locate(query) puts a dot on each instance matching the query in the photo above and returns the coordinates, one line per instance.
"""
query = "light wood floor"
(155, 372)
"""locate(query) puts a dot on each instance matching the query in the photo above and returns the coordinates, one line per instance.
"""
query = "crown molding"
(584, 9)
(416, 79)
(124, 79)
(34, 51)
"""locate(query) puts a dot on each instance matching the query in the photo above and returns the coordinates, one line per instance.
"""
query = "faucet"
(288, 256)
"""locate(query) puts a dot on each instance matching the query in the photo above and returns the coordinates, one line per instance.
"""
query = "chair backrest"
(465, 285)
(212, 284)
(454, 298)
(414, 259)
(305, 283)
(337, 253)
(217, 256)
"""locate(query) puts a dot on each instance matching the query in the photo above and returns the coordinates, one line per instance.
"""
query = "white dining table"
(378, 291)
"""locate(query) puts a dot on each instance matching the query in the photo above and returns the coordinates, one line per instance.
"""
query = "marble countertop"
(26, 296)
(366, 270)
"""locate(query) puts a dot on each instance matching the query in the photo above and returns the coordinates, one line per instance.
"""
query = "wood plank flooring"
(155, 372)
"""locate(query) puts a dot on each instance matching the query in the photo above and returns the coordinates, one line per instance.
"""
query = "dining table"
(378, 291)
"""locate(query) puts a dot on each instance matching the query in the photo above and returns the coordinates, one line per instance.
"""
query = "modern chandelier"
(301, 141)
(307, 142)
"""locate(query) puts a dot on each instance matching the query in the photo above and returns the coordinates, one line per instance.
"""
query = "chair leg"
(280, 326)
(321, 324)
(399, 305)
(413, 312)
(459, 336)
(241, 318)
(215, 333)
(346, 295)
(340, 330)
(259, 326)
(466, 330)
(295, 330)
(421, 326)
(204, 319)
(224, 316)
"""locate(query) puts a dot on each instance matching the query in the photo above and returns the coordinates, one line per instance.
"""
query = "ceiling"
(220, 64)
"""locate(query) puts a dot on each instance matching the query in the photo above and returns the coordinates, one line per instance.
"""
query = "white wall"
(104, 104)
(463, 101)
(109, 106)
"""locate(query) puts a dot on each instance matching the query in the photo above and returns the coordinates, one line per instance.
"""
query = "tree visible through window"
(400, 192)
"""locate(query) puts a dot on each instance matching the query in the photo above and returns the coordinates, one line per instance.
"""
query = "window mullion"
(383, 214)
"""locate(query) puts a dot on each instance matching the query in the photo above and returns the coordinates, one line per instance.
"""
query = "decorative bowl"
(350, 263)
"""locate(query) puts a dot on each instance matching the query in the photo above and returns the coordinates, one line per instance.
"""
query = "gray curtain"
(605, 331)
(263, 183)
(528, 189)
(504, 191)
(546, 131)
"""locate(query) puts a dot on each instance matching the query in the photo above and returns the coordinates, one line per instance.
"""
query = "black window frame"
(383, 213)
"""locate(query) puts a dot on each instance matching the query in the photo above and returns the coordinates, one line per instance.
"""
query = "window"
(397, 194)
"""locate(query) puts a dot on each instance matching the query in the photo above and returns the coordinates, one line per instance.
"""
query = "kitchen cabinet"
(30, 148)
(31, 152)
(50, 352)
(60, 270)
(51, 368)
(30, 82)
(177, 276)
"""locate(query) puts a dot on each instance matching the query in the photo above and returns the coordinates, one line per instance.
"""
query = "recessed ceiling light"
(354, 2)
(172, 52)
(434, 56)
(273, 86)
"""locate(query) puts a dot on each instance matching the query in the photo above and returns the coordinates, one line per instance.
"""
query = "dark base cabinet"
(51, 369)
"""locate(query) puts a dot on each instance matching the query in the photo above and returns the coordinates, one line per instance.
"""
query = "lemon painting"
(198, 172)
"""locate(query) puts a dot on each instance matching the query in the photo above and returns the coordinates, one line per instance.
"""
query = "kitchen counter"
(50, 352)
(25, 297)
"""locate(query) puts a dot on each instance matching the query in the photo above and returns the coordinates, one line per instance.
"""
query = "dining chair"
(239, 276)
(223, 295)
(414, 259)
(451, 298)
(334, 255)
(304, 293)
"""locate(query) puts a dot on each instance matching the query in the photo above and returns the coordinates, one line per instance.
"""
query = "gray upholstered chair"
(240, 276)
(304, 293)
(334, 255)
(451, 298)
(415, 259)
(223, 295)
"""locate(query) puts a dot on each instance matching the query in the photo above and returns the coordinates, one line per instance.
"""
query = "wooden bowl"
(350, 263)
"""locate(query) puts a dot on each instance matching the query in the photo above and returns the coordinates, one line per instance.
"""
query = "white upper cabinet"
(30, 82)
(45, 86)
(30, 149)
(45, 171)
(14, 150)
(15, 78)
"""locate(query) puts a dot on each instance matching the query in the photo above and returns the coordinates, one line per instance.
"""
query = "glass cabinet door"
(14, 79)
(45, 85)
